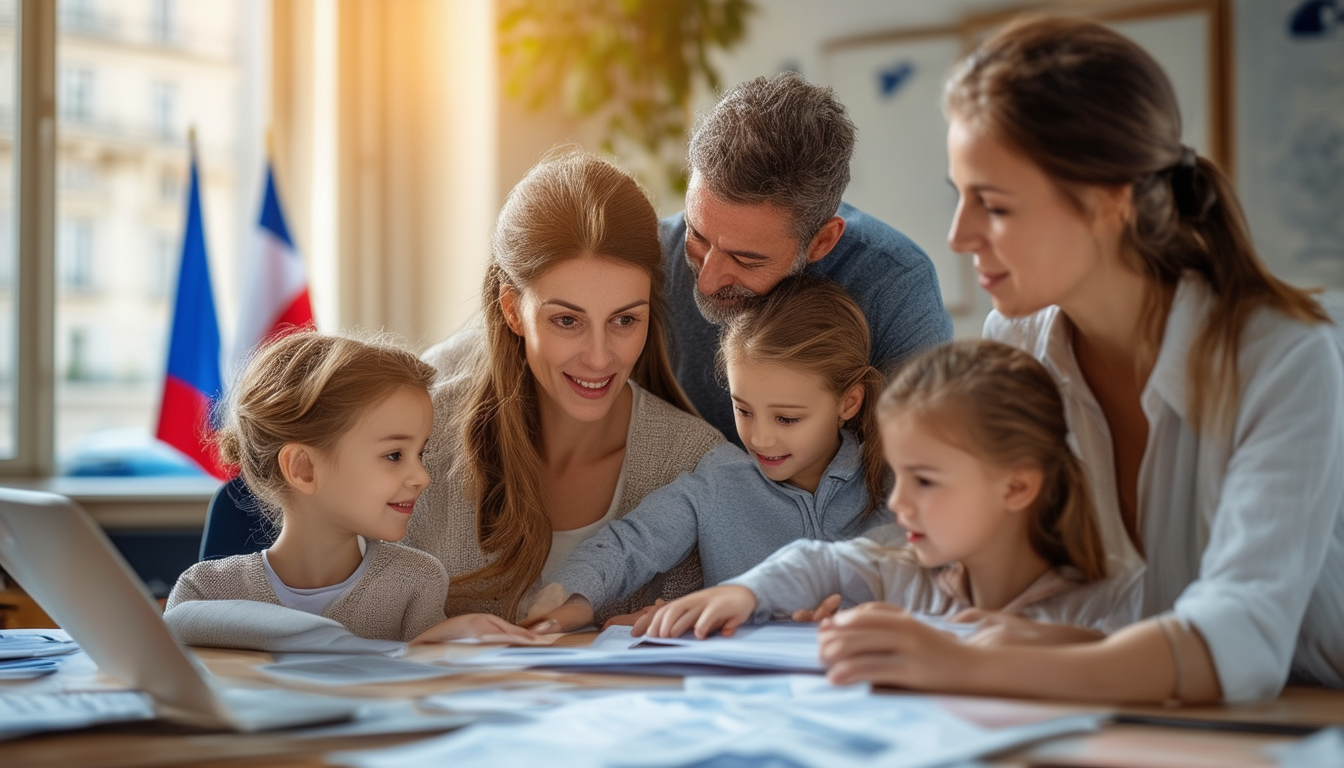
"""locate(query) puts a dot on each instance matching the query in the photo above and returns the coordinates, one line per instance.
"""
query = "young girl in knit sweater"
(797, 366)
(327, 433)
(995, 508)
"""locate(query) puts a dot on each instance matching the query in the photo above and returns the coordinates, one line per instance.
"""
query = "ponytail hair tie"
(1194, 197)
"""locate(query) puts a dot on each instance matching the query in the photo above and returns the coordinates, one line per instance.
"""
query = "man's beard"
(726, 303)
(730, 301)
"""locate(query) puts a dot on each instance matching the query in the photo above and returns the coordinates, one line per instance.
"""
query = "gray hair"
(780, 140)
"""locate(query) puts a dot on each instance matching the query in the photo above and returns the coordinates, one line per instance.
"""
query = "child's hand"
(825, 610)
(480, 626)
(881, 643)
(723, 608)
(633, 619)
(575, 613)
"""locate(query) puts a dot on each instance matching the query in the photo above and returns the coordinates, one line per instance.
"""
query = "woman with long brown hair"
(562, 412)
(1203, 393)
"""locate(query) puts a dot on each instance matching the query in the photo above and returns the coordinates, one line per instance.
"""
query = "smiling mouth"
(595, 386)
(772, 460)
(405, 507)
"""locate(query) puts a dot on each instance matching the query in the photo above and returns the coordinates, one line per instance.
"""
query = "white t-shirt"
(319, 599)
(564, 542)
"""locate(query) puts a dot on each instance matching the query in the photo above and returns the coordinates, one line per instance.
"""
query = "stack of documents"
(776, 720)
(28, 653)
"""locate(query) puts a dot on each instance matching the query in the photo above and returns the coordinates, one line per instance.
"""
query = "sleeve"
(429, 592)
(654, 536)
(802, 574)
(187, 588)
(1277, 506)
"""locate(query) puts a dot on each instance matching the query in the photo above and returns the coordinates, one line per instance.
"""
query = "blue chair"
(234, 524)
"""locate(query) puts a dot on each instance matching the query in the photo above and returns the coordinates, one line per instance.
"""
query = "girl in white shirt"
(994, 507)
(1204, 394)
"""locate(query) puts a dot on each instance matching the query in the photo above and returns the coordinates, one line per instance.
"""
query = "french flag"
(193, 382)
(275, 287)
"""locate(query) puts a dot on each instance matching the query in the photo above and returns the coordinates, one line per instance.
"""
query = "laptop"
(66, 563)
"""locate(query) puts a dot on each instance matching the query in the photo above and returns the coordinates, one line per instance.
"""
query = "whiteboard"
(892, 86)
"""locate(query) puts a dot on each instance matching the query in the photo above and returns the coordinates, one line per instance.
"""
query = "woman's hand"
(574, 613)
(998, 628)
(826, 609)
(722, 608)
(883, 644)
(485, 627)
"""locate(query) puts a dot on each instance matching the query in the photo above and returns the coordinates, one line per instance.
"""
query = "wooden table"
(123, 746)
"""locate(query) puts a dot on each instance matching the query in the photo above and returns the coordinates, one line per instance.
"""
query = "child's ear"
(1024, 486)
(296, 464)
(508, 303)
(851, 402)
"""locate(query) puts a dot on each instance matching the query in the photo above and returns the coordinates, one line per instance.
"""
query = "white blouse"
(1243, 531)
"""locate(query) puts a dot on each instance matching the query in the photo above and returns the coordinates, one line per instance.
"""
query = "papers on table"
(784, 646)
(249, 625)
(24, 712)
(771, 720)
(29, 653)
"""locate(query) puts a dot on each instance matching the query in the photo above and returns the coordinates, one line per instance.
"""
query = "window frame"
(34, 229)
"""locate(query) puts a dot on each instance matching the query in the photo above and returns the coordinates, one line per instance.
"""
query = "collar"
(951, 581)
(1167, 382)
(844, 466)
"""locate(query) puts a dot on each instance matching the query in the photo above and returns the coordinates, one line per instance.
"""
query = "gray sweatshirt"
(728, 507)
(804, 573)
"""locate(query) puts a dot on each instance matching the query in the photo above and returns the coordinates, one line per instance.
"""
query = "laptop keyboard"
(33, 712)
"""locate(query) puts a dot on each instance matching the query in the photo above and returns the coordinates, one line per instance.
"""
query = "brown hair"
(811, 323)
(567, 206)
(308, 388)
(779, 140)
(1090, 107)
(999, 404)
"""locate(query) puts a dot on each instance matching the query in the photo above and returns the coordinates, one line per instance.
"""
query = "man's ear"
(297, 467)
(851, 402)
(1023, 487)
(508, 303)
(825, 239)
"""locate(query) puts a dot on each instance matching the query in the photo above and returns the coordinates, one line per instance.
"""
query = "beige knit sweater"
(399, 596)
(664, 442)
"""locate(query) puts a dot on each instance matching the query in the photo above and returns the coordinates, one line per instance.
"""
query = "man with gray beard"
(769, 164)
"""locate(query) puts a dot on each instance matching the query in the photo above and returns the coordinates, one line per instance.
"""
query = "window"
(163, 22)
(76, 97)
(75, 256)
(163, 109)
(127, 98)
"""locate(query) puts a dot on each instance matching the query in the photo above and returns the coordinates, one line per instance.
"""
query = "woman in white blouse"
(1205, 396)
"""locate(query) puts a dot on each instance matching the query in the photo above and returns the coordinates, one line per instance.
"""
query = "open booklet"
(782, 646)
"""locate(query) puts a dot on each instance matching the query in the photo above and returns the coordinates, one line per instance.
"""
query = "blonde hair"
(307, 388)
(999, 404)
(567, 206)
(812, 324)
(1090, 107)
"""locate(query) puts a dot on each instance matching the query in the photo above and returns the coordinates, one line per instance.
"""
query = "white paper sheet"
(775, 721)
